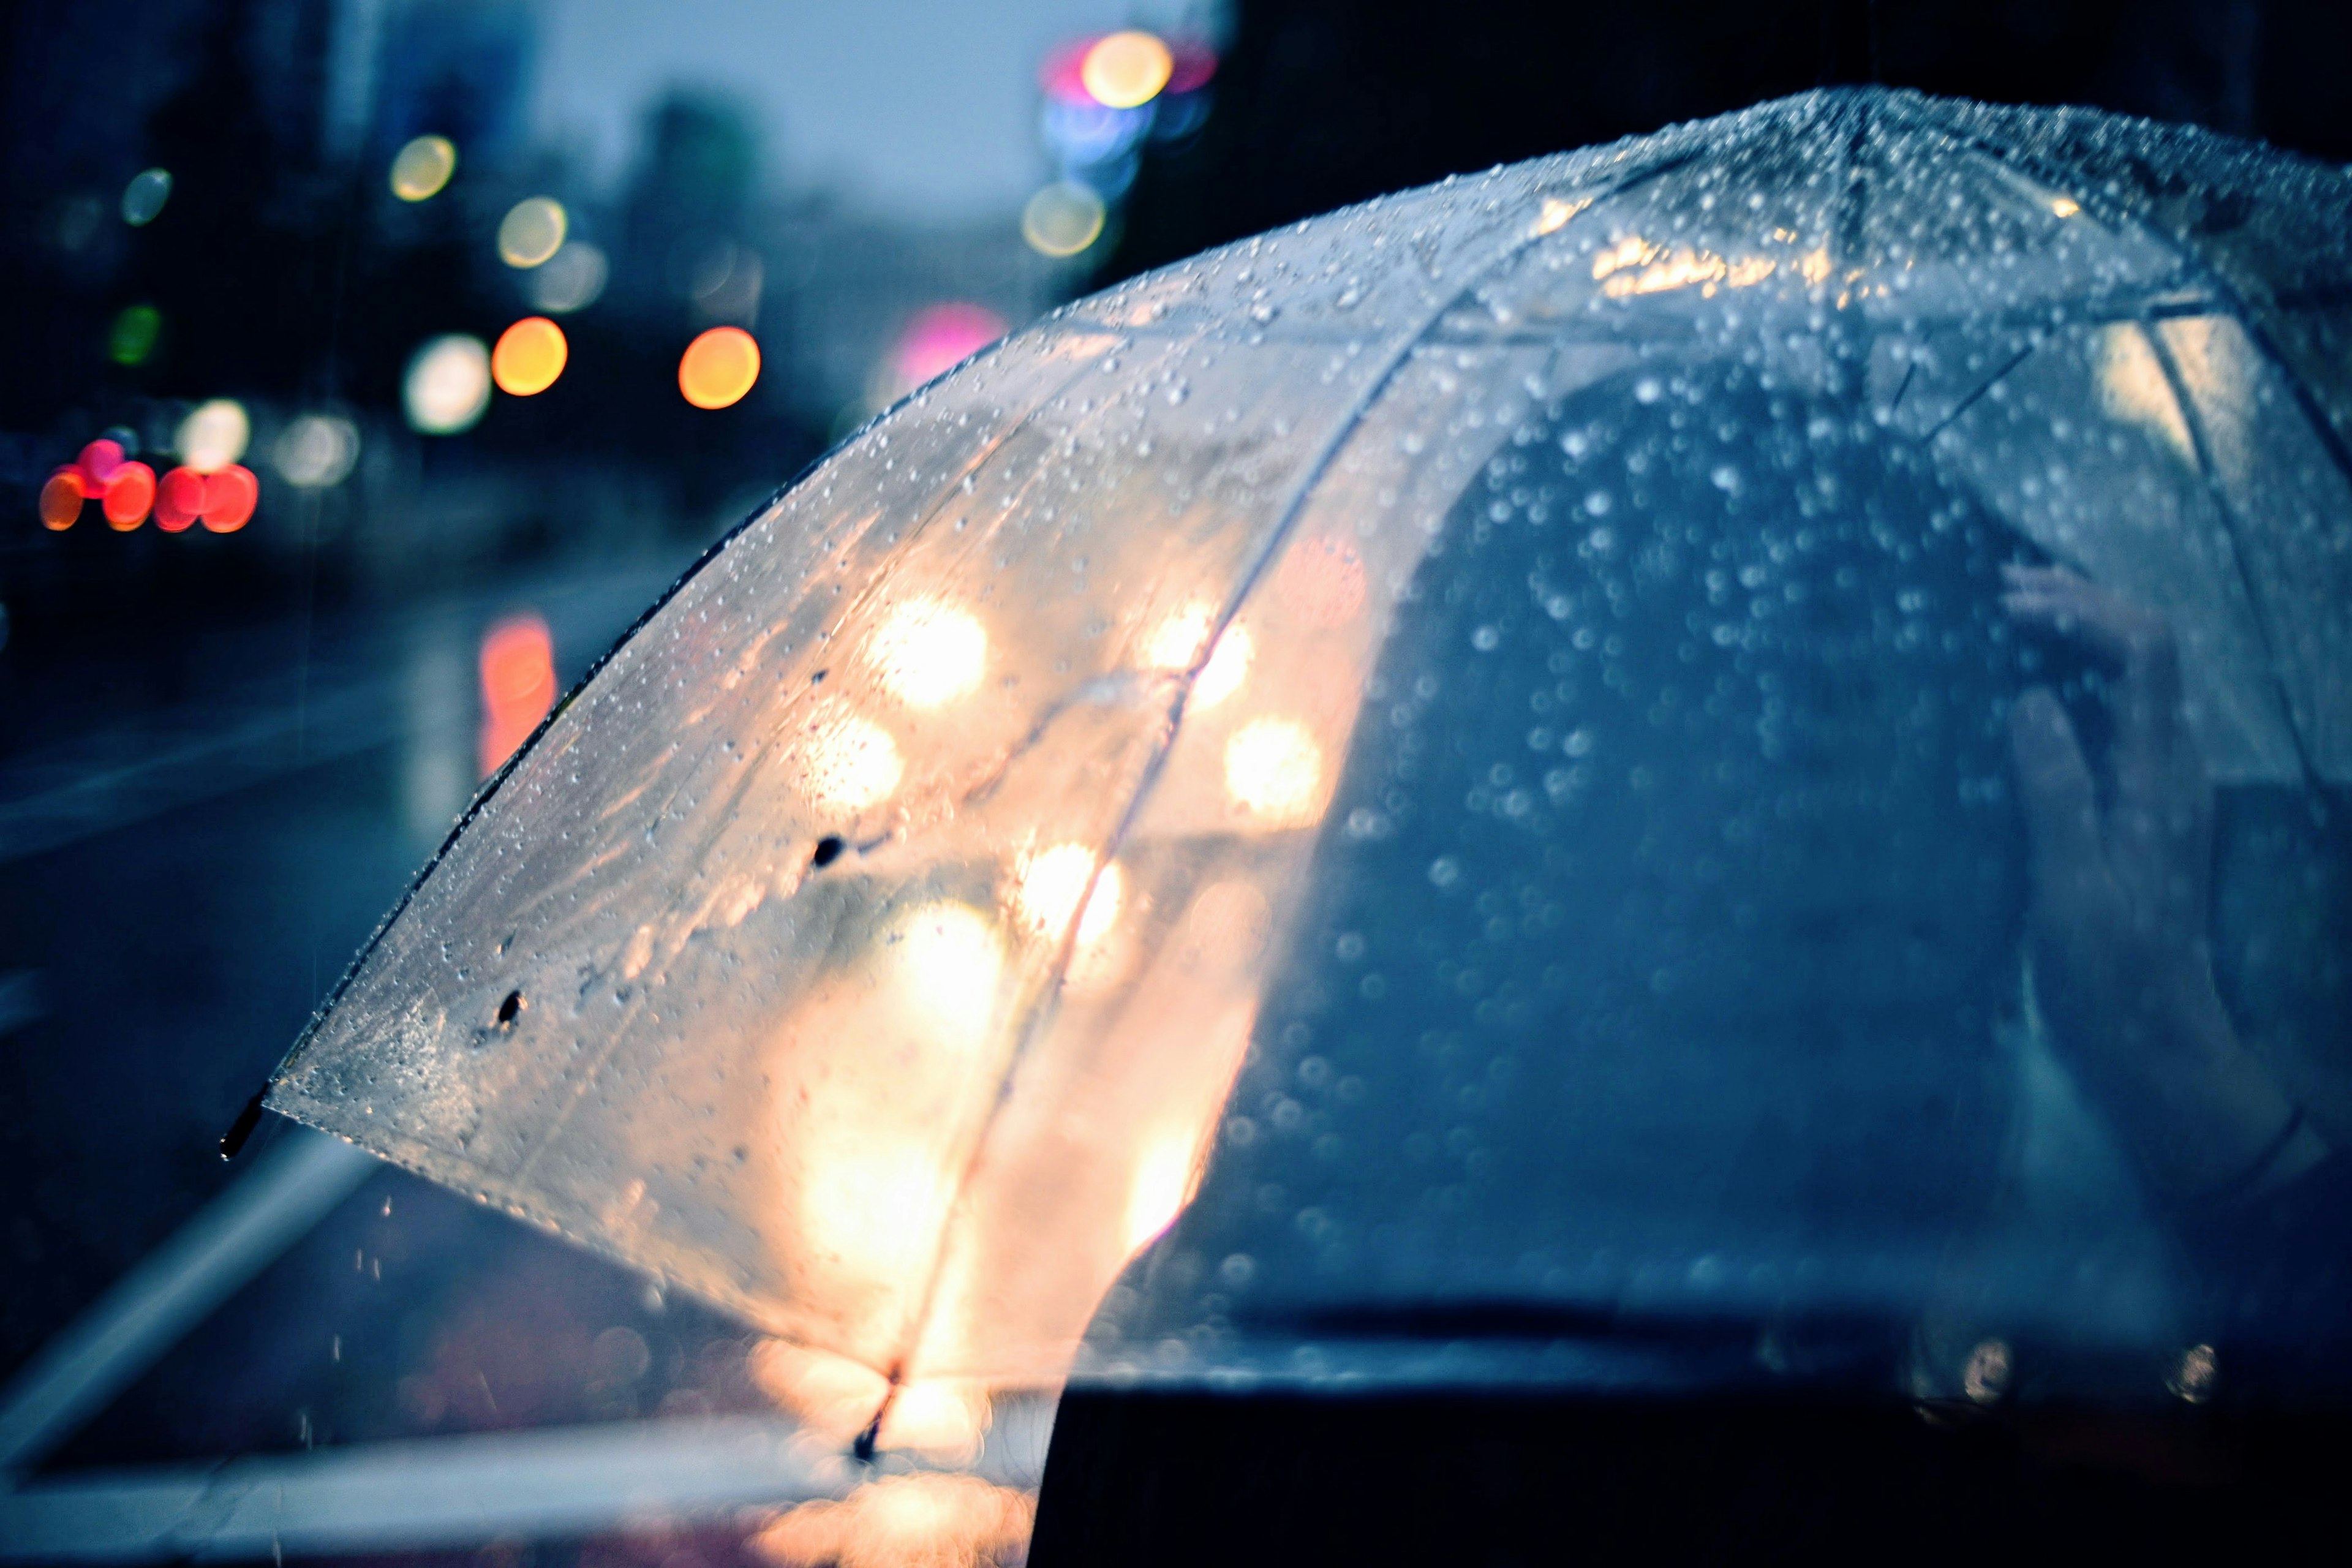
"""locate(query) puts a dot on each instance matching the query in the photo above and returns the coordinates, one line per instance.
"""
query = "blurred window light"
(940, 338)
(129, 493)
(447, 385)
(143, 198)
(1176, 642)
(1127, 69)
(572, 278)
(1063, 219)
(945, 960)
(517, 664)
(848, 762)
(926, 653)
(530, 355)
(62, 499)
(718, 367)
(1050, 884)
(532, 231)
(230, 496)
(422, 167)
(316, 451)
(214, 435)
(133, 337)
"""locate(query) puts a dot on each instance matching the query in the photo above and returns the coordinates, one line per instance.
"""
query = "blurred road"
(197, 830)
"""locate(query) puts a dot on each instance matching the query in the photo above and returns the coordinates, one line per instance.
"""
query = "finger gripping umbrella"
(1510, 661)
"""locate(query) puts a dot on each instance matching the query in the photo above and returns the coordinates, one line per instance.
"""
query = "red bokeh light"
(129, 491)
(179, 499)
(230, 495)
(518, 684)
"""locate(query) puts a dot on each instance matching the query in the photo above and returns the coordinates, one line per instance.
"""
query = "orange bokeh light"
(530, 355)
(62, 500)
(718, 367)
(129, 491)
(518, 684)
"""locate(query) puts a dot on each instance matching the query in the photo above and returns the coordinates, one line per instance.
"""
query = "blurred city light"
(528, 357)
(848, 762)
(214, 435)
(447, 385)
(928, 653)
(230, 496)
(1127, 69)
(423, 167)
(129, 493)
(532, 231)
(517, 664)
(143, 198)
(179, 499)
(940, 338)
(718, 367)
(133, 337)
(316, 451)
(1061, 219)
(62, 499)
(1274, 770)
(571, 279)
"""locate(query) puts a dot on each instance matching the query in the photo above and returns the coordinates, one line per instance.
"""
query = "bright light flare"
(214, 434)
(921, 1521)
(422, 167)
(2134, 389)
(448, 385)
(874, 1209)
(942, 961)
(718, 367)
(532, 231)
(1176, 642)
(927, 652)
(143, 198)
(1127, 69)
(1274, 771)
(317, 451)
(1048, 885)
(528, 357)
(1063, 219)
(1158, 1192)
(848, 762)
(517, 669)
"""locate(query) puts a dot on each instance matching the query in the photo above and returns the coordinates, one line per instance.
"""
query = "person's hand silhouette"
(2121, 846)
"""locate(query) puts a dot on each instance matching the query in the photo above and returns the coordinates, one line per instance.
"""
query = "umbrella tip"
(233, 1140)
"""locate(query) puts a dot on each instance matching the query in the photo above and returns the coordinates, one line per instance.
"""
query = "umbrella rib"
(1284, 520)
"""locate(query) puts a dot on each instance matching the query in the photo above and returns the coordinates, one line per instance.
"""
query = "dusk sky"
(917, 107)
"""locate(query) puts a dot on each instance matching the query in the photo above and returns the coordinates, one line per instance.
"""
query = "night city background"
(449, 332)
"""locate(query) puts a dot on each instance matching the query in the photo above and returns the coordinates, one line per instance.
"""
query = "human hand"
(2116, 928)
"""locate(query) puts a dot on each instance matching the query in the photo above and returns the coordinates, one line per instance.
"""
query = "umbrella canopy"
(1519, 664)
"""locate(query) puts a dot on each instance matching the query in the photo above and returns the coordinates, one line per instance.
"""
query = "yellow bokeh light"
(943, 961)
(447, 385)
(532, 231)
(927, 652)
(718, 367)
(530, 355)
(1556, 211)
(847, 763)
(214, 435)
(422, 167)
(1063, 219)
(1127, 69)
(1274, 771)
(1049, 884)
(1161, 1186)
(2065, 206)
(1176, 642)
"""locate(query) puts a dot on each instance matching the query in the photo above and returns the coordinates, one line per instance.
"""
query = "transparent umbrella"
(1480, 722)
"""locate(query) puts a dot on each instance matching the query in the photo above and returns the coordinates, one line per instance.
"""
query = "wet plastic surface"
(1521, 665)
